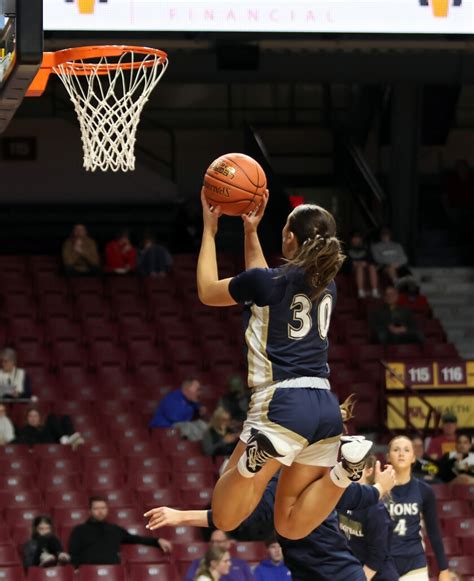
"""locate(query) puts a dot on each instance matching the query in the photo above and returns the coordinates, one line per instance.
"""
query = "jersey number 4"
(301, 308)
(401, 528)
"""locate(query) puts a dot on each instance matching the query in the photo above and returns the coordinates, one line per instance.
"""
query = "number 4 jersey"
(286, 334)
(409, 504)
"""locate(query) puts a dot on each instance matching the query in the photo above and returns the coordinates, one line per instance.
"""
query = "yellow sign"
(431, 375)
(462, 406)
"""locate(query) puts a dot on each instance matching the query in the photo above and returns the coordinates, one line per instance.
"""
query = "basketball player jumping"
(294, 421)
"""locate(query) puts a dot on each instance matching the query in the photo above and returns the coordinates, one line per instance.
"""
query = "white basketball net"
(108, 106)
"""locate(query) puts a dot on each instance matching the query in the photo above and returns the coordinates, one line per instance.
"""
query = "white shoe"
(354, 454)
(375, 293)
(361, 293)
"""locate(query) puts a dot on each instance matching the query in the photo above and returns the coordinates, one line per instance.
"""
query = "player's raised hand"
(163, 516)
(210, 215)
(385, 479)
(253, 219)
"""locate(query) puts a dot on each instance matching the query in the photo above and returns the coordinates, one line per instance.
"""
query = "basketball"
(236, 183)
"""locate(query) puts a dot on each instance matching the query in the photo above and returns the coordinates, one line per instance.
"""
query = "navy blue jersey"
(410, 503)
(369, 532)
(286, 334)
(324, 554)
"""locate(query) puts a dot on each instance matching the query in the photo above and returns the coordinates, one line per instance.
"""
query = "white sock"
(242, 467)
(339, 477)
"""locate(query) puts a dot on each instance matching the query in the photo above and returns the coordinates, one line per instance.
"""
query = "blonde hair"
(214, 553)
(319, 254)
(217, 418)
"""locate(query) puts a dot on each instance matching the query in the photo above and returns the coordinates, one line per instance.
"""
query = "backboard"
(21, 52)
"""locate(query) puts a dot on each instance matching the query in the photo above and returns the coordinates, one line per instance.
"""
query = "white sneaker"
(354, 452)
(375, 293)
(361, 293)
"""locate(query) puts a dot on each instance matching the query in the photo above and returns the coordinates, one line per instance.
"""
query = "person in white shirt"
(7, 431)
(14, 382)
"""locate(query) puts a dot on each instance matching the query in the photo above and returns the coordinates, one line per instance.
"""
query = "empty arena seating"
(105, 351)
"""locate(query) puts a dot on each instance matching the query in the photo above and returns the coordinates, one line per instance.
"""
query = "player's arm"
(254, 257)
(164, 516)
(212, 291)
(430, 517)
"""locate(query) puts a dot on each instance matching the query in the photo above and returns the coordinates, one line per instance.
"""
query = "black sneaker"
(354, 452)
(259, 451)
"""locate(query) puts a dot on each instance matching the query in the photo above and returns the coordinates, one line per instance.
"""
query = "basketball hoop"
(109, 86)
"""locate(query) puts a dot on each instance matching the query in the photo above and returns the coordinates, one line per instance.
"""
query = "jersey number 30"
(301, 308)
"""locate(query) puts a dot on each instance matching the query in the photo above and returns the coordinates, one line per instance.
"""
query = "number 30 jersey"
(285, 333)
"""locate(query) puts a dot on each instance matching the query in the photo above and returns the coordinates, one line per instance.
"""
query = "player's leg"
(235, 497)
(359, 269)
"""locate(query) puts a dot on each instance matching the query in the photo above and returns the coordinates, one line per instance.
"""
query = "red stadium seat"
(99, 330)
(462, 565)
(106, 353)
(102, 449)
(403, 352)
(442, 491)
(11, 573)
(153, 498)
(58, 573)
(15, 451)
(453, 508)
(440, 351)
(68, 354)
(126, 516)
(102, 464)
(53, 465)
(86, 286)
(452, 546)
(8, 555)
(21, 533)
(20, 499)
(58, 481)
(185, 449)
(4, 534)
(189, 551)
(193, 480)
(193, 464)
(155, 572)
(101, 572)
(74, 407)
(18, 516)
(197, 499)
(116, 497)
(65, 499)
(62, 329)
(167, 438)
(129, 433)
(143, 554)
(15, 465)
(463, 491)
(138, 449)
(103, 480)
(459, 527)
(147, 480)
(181, 534)
(467, 544)
(249, 551)
(148, 464)
(70, 516)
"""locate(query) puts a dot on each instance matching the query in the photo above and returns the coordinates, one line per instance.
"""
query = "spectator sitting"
(180, 405)
(154, 259)
(445, 442)
(273, 568)
(7, 431)
(14, 382)
(53, 430)
(236, 400)
(457, 467)
(215, 565)
(44, 549)
(97, 542)
(424, 467)
(239, 569)
(389, 256)
(410, 296)
(360, 262)
(394, 324)
(120, 255)
(80, 256)
(219, 440)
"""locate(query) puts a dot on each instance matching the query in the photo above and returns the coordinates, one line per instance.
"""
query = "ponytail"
(320, 254)
(347, 409)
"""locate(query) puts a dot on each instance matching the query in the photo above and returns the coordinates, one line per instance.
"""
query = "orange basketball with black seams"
(236, 183)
